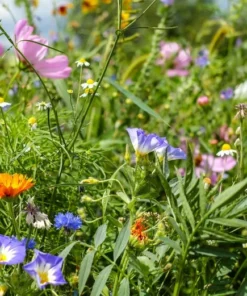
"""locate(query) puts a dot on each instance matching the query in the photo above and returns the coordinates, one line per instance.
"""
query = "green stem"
(118, 278)
(241, 165)
(71, 144)
(12, 215)
(10, 84)
(28, 12)
(119, 2)
(78, 92)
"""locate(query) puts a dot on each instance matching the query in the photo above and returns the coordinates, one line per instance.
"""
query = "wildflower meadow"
(123, 168)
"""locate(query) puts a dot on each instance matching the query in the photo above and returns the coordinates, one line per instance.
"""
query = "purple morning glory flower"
(172, 153)
(67, 221)
(167, 2)
(226, 94)
(203, 58)
(144, 143)
(46, 269)
(12, 251)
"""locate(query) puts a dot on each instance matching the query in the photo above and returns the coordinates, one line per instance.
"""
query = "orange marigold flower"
(138, 230)
(89, 6)
(12, 185)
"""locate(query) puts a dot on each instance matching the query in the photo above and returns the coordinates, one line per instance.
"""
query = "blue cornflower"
(67, 221)
(203, 58)
(226, 94)
(31, 243)
(144, 143)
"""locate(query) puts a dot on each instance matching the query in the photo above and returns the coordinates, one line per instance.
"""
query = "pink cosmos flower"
(56, 67)
(179, 58)
(1, 49)
(210, 165)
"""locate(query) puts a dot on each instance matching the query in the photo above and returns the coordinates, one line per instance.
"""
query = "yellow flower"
(89, 5)
(32, 120)
(106, 1)
(70, 91)
(12, 185)
(3, 289)
(125, 16)
(35, 3)
(1, 100)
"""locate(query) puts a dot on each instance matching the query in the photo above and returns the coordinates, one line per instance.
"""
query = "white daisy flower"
(88, 91)
(82, 62)
(226, 151)
(5, 106)
(89, 84)
(42, 106)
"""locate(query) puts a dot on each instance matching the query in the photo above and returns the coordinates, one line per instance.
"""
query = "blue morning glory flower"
(67, 221)
(46, 269)
(12, 251)
(226, 94)
(172, 153)
(144, 143)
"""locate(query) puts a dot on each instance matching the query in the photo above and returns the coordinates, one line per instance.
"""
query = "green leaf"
(227, 195)
(147, 262)
(61, 88)
(101, 280)
(136, 100)
(171, 243)
(85, 269)
(186, 206)
(230, 222)
(177, 229)
(202, 197)
(223, 235)
(189, 166)
(122, 241)
(243, 288)
(100, 235)
(67, 250)
(124, 197)
(214, 252)
(124, 289)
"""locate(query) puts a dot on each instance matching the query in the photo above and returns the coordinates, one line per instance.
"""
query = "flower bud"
(237, 142)
(238, 130)
(207, 182)
(90, 180)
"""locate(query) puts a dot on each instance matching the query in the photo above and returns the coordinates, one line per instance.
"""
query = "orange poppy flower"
(12, 185)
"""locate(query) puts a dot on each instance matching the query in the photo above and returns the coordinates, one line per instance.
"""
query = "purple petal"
(175, 153)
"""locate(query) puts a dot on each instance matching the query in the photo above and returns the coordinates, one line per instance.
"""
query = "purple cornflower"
(12, 251)
(67, 221)
(167, 2)
(226, 94)
(46, 269)
(144, 143)
(202, 59)
(172, 153)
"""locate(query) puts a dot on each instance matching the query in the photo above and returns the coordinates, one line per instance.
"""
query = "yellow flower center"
(89, 91)
(90, 81)
(3, 257)
(207, 181)
(32, 120)
(43, 276)
(226, 147)
(1, 100)
(82, 60)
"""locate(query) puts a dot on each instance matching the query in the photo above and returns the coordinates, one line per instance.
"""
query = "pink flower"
(210, 165)
(203, 101)
(179, 58)
(56, 67)
(1, 49)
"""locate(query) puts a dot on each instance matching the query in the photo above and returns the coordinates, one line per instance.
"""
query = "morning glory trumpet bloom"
(46, 269)
(12, 251)
(171, 152)
(144, 143)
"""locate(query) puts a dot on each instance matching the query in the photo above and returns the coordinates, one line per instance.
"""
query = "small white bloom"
(226, 151)
(5, 106)
(89, 84)
(82, 62)
(42, 106)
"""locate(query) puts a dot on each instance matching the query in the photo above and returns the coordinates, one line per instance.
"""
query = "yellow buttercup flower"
(89, 5)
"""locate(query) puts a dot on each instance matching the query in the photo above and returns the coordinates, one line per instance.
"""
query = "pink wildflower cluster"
(34, 48)
(179, 58)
